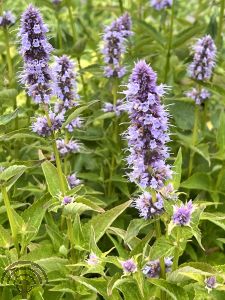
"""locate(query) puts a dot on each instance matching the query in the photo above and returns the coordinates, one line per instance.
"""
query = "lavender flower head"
(35, 50)
(73, 180)
(204, 59)
(161, 4)
(76, 123)
(41, 126)
(67, 147)
(129, 266)
(152, 268)
(199, 96)
(182, 214)
(114, 45)
(93, 259)
(67, 200)
(7, 19)
(64, 86)
(146, 207)
(147, 134)
(210, 283)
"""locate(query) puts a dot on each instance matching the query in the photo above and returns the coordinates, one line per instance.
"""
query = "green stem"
(176, 253)
(59, 31)
(56, 154)
(162, 262)
(10, 217)
(71, 19)
(194, 139)
(121, 6)
(167, 67)
(82, 78)
(220, 26)
(71, 237)
(8, 57)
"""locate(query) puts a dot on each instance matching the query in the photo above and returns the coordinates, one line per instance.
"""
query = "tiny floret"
(182, 214)
(129, 266)
(7, 19)
(161, 4)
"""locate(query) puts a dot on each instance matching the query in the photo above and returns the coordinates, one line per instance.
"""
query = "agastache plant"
(161, 4)
(7, 19)
(36, 51)
(147, 134)
(201, 68)
(114, 45)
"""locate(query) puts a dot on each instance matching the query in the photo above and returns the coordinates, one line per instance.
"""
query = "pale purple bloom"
(56, 2)
(210, 283)
(64, 87)
(67, 147)
(73, 180)
(168, 192)
(146, 207)
(161, 4)
(148, 133)
(41, 126)
(7, 19)
(67, 200)
(204, 59)
(152, 269)
(117, 109)
(93, 259)
(182, 214)
(76, 123)
(114, 45)
(129, 266)
(198, 95)
(35, 50)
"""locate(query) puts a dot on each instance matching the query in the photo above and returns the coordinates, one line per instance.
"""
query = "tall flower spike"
(114, 45)
(204, 59)
(7, 19)
(147, 134)
(35, 50)
(64, 86)
(161, 4)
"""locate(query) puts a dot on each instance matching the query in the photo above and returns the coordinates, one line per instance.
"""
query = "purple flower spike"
(204, 59)
(148, 133)
(35, 50)
(129, 266)
(199, 96)
(147, 208)
(161, 4)
(182, 214)
(114, 45)
(67, 200)
(210, 283)
(152, 268)
(41, 126)
(64, 86)
(73, 180)
(7, 19)
(67, 147)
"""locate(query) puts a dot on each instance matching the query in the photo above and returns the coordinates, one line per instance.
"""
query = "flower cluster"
(118, 109)
(7, 19)
(210, 283)
(182, 214)
(204, 59)
(161, 4)
(35, 50)
(67, 147)
(64, 86)
(114, 45)
(146, 207)
(129, 266)
(42, 126)
(73, 180)
(152, 269)
(75, 123)
(198, 95)
(147, 134)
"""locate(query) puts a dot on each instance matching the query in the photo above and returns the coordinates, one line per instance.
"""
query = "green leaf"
(162, 247)
(5, 238)
(216, 218)
(134, 227)
(156, 35)
(5, 119)
(186, 34)
(199, 181)
(52, 178)
(11, 172)
(177, 170)
(174, 291)
(220, 138)
(101, 223)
